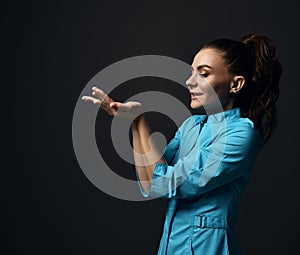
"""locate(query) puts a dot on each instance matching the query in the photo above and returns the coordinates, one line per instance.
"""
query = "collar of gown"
(225, 115)
(221, 116)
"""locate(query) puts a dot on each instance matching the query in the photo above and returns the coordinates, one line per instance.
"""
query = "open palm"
(129, 110)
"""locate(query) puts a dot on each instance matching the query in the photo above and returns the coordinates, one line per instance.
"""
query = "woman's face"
(209, 84)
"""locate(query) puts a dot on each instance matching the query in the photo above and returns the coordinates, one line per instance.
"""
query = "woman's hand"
(102, 99)
(129, 110)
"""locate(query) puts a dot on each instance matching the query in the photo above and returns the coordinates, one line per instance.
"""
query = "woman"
(207, 165)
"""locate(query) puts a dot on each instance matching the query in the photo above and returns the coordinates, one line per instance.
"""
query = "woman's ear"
(237, 83)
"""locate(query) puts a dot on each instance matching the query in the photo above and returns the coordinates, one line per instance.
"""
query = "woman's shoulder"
(243, 130)
(229, 123)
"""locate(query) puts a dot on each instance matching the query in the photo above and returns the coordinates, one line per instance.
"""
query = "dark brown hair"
(254, 57)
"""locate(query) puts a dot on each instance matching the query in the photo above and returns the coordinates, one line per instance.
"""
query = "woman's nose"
(191, 82)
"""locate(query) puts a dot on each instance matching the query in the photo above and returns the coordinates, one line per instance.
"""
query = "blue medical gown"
(208, 165)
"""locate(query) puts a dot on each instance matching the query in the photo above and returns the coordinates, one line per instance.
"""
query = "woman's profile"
(203, 173)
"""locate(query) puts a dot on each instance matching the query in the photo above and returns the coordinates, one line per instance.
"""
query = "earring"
(232, 94)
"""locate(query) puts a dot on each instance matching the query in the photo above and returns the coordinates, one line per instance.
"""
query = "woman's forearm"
(142, 145)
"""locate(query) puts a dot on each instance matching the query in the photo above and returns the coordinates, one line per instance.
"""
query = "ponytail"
(265, 81)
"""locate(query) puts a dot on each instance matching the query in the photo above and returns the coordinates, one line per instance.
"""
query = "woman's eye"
(203, 74)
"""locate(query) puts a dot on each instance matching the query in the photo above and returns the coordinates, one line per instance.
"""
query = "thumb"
(114, 105)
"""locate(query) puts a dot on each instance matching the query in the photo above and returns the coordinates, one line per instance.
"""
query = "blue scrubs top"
(208, 165)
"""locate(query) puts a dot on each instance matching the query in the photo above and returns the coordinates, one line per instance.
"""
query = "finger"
(98, 93)
(99, 96)
(91, 99)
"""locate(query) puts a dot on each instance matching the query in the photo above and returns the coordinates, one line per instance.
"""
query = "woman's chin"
(196, 105)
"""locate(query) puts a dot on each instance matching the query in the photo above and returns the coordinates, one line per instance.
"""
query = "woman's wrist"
(139, 119)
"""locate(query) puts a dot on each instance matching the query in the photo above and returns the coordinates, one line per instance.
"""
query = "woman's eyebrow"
(201, 66)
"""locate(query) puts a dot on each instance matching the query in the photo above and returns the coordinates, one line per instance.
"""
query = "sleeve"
(229, 157)
(172, 148)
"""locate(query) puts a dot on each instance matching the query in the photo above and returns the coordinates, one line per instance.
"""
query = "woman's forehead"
(209, 57)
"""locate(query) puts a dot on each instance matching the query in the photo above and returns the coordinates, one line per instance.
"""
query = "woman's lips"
(195, 95)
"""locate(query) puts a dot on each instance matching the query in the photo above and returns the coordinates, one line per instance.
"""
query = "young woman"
(207, 165)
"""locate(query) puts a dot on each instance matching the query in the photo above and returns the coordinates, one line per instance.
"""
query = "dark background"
(51, 49)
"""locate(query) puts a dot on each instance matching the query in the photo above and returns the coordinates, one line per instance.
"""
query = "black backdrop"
(51, 49)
